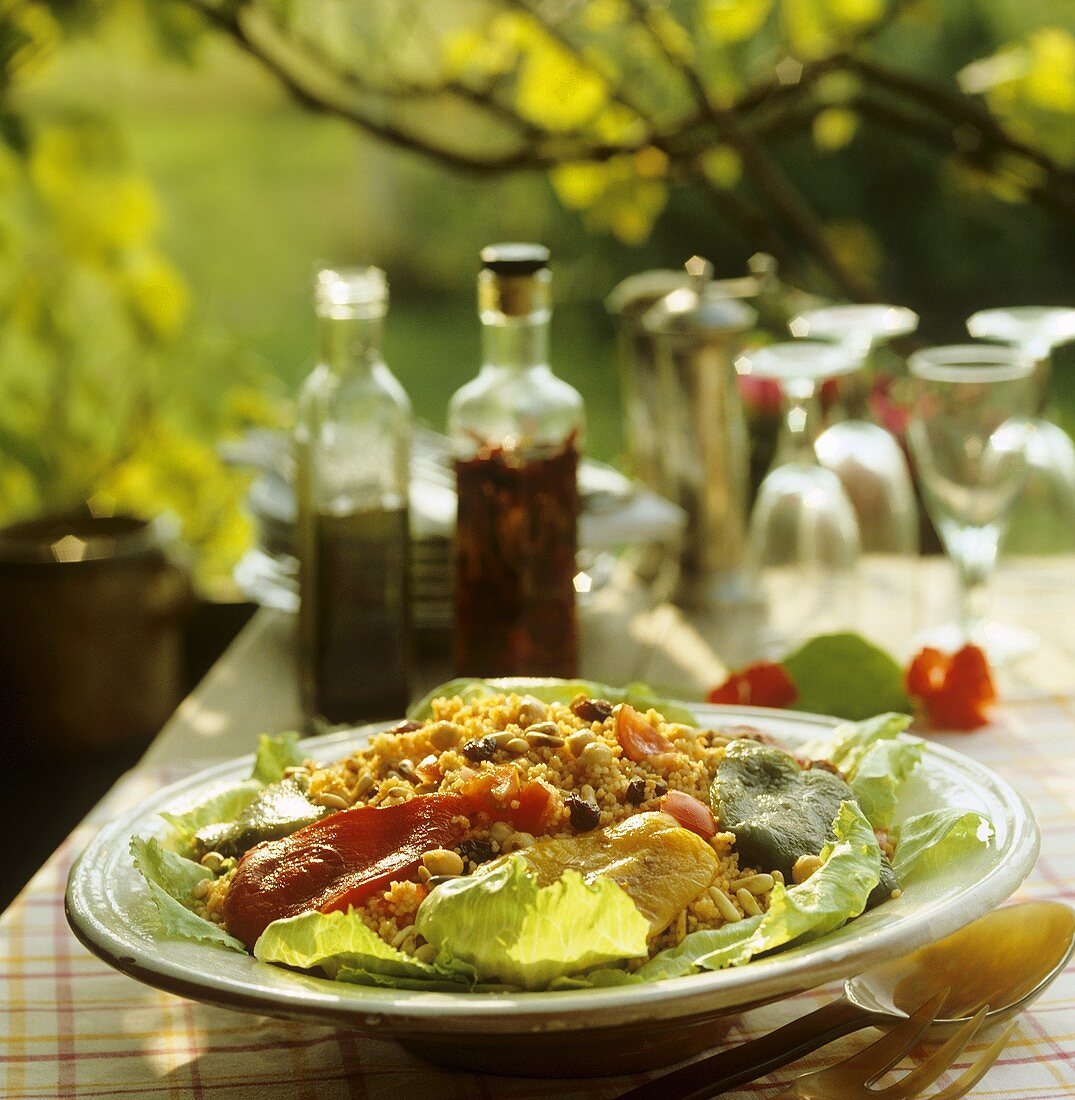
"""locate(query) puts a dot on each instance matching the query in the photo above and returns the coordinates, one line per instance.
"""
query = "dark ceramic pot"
(90, 632)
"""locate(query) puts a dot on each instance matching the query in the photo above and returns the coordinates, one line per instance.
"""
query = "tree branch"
(764, 172)
(532, 155)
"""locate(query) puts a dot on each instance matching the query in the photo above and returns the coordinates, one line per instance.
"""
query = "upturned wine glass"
(803, 543)
(867, 459)
(1043, 519)
(967, 433)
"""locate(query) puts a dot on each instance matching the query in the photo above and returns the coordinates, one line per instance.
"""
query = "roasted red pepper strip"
(763, 684)
(339, 861)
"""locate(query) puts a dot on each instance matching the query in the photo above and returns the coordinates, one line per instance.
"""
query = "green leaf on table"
(511, 930)
(171, 880)
(550, 690)
(275, 755)
(931, 842)
(835, 893)
(343, 947)
(844, 675)
(218, 807)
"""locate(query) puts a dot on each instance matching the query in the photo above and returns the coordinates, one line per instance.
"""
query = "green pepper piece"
(275, 812)
(776, 810)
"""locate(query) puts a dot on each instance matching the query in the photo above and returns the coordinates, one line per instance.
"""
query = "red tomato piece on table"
(636, 736)
(690, 813)
(763, 684)
(926, 675)
(957, 692)
(339, 861)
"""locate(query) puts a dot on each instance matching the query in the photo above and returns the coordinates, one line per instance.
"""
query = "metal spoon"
(1004, 960)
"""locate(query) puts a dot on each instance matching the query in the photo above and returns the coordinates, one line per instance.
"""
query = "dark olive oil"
(353, 616)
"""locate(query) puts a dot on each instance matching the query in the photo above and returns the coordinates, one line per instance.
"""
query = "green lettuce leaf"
(844, 675)
(223, 805)
(171, 880)
(344, 948)
(880, 774)
(275, 755)
(511, 930)
(847, 745)
(930, 842)
(552, 691)
(835, 893)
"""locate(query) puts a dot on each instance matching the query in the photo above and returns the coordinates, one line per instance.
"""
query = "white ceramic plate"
(651, 1024)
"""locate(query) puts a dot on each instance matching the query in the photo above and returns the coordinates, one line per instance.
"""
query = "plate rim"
(407, 1010)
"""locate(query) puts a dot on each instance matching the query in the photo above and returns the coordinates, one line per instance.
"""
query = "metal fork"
(852, 1078)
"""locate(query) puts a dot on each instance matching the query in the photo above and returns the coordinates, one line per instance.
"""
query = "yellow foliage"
(554, 89)
(856, 13)
(601, 15)
(170, 471)
(814, 28)
(157, 294)
(613, 196)
(728, 21)
(39, 25)
(837, 87)
(834, 127)
(99, 207)
(804, 27)
(723, 165)
(672, 33)
(250, 407)
(1050, 78)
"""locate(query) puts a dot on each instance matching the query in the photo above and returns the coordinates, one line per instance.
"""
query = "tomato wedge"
(339, 861)
(636, 736)
(690, 813)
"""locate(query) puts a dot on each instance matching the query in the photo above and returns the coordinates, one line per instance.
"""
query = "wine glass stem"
(975, 555)
(802, 413)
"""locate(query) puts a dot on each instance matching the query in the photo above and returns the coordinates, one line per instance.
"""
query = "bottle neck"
(515, 346)
(347, 345)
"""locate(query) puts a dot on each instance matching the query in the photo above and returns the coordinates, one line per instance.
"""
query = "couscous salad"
(541, 834)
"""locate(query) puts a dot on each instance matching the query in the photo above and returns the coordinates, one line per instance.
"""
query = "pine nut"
(725, 905)
(747, 900)
(755, 884)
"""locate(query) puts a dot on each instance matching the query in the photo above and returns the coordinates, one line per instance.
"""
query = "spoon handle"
(737, 1065)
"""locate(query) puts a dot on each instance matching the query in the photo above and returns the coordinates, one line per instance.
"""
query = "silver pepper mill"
(697, 333)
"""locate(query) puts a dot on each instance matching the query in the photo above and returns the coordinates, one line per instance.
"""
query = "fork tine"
(928, 1072)
(879, 1057)
(977, 1070)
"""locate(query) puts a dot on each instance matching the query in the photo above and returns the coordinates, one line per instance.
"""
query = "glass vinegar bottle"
(352, 437)
(516, 432)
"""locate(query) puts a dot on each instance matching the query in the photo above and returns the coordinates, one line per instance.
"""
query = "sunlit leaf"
(1050, 77)
(722, 165)
(834, 127)
(556, 90)
(734, 20)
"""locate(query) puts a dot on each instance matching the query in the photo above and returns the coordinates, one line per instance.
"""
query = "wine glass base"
(1001, 642)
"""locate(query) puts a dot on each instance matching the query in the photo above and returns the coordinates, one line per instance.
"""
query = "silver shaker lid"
(702, 308)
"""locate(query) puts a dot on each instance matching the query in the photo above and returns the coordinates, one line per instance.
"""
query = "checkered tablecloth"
(70, 1026)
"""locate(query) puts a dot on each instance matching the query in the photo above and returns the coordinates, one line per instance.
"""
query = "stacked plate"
(616, 513)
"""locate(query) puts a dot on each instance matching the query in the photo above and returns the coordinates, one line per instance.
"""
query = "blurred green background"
(164, 203)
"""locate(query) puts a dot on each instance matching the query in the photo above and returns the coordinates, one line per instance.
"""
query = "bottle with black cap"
(517, 431)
